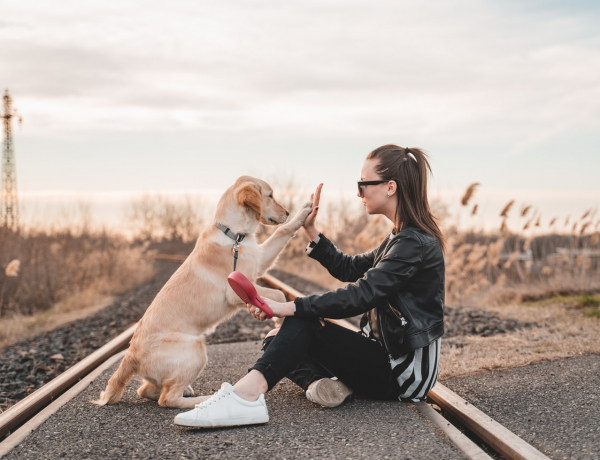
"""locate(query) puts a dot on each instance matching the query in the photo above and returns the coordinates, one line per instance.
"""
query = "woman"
(399, 287)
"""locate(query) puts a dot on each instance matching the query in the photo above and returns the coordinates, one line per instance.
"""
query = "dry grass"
(565, 331)
(18, 327)
(57, 274)
(109, 273)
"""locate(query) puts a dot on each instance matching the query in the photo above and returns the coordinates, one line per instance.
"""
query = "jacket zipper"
(399, 315)
(381, 328)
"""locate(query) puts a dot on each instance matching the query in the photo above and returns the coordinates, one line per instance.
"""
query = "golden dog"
(167, 349)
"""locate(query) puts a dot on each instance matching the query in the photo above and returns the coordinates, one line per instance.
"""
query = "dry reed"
(469, 193)
(525, 210)
(506, 209)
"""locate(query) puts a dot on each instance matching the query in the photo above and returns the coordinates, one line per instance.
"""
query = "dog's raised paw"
(301, 215)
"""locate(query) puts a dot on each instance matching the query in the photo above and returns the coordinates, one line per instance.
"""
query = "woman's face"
(375, 196)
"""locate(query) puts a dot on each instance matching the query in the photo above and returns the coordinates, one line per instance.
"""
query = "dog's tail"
(116, 384)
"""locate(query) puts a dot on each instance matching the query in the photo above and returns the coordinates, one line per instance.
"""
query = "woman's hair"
(409, 168)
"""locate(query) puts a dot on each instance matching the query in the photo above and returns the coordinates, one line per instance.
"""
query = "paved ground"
(137, 428)
(555, 406)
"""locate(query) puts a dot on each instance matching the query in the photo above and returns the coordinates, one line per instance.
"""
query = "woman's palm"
(315, 198)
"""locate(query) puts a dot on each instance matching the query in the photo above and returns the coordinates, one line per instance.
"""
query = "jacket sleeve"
(401, 261)
(340, 265)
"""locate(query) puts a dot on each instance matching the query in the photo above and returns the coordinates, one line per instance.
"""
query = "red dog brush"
(247, 292)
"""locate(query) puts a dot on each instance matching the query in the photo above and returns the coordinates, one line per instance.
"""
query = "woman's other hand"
(280, 310)
(309, 223)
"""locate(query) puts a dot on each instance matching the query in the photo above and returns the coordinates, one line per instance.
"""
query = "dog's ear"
(249, 194)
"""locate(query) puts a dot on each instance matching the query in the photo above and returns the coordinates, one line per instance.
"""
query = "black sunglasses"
(368, 182)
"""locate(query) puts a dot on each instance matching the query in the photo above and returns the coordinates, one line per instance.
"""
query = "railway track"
(25, 416)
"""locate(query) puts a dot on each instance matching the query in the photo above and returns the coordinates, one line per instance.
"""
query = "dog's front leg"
(271, 248)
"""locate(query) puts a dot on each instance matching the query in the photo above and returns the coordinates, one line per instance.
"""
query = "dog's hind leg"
(116, 384)
(187, 360)
(189, 391)
(172, 396)
(149, 391)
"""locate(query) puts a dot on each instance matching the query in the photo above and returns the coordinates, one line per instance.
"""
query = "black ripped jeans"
(305, 351)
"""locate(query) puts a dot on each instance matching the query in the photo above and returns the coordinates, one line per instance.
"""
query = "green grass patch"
(558, 299)
(554, 300)
(588, 301)
(568, 300)
(593, 312)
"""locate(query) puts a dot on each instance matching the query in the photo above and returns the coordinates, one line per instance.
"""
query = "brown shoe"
(328, 393)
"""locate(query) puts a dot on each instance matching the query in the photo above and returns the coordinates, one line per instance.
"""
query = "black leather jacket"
(403, 280)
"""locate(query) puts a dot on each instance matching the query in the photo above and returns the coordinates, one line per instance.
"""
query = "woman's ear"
(249, 194)
(392, 187)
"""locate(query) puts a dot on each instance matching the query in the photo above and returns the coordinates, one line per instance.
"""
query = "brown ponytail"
(398, 164)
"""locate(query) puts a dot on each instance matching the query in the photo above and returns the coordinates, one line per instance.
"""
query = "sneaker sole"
(240, 421)
(327, 393)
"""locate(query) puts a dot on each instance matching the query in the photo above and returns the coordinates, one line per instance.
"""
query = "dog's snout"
(287, 213)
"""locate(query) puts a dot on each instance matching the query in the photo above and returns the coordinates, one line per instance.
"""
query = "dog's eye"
(270, 196)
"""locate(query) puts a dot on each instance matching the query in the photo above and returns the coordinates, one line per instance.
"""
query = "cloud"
(320, 67)
(487, 87)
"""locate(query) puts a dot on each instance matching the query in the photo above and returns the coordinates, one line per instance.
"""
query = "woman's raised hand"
(309, 222)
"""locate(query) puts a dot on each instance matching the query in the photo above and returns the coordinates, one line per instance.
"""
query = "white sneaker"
(225, 408)
(328, 392)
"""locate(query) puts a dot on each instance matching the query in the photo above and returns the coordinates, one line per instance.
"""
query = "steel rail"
(28, 407)
(16, 437)
(498, 437)
(492, 433)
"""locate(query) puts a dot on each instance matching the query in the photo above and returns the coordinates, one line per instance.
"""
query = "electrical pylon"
(9, 212)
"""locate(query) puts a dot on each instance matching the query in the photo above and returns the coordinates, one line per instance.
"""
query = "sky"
(120, 98)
